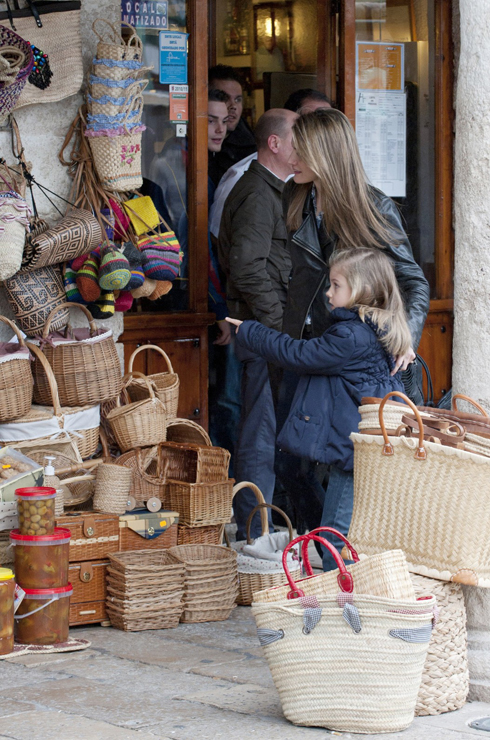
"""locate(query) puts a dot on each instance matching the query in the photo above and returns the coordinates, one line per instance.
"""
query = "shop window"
(272, 45)
(409, 23)
(164, 158)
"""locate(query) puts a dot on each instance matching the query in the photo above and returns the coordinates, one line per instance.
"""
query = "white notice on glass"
(381, 135)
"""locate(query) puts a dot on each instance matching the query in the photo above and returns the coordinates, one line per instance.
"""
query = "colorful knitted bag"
(161, 255)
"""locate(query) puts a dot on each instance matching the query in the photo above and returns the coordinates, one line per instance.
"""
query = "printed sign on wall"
(145, 13)
(173, 58)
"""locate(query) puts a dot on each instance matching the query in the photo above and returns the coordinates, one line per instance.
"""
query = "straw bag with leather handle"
(15, 376)
(84, 363)
(429, 499)
(139, 424)
(349, 661)
(32, 296)
(54, 27)
(166, 384)
(113, 45)
(51, 422)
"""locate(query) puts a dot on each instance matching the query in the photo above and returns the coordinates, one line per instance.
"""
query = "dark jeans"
(225, 375)
(337, 511)
(255, 452)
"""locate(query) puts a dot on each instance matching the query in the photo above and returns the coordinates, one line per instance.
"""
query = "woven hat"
(103, 307)
(135, 259)
(114, 272)
(70, 283)
(87, 279)
(16, 63)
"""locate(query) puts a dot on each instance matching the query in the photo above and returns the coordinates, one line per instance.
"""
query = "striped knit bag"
(162, 255)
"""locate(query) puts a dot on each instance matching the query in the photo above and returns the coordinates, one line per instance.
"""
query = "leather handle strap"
(330, 530)
(420, 453)
(462, 397)
(344, 578)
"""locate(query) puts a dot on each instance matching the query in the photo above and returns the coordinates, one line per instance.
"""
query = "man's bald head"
(276, 121)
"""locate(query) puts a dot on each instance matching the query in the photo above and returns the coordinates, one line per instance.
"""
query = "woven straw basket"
(166, 384)
(112, 45)
(112, 488)
(186, 430)
(15, 379)
(117, 160)
(33, 295)
(86, 440)
(445, 679)
(256, 574)
(139, 424)
(87, 371)
(148, 480)
(348, 662)
(195, 463)
(201, 504)
(425, 499)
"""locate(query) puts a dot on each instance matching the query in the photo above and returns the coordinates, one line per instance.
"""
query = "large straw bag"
(166, 384)
(385, 575)
(84, 362)
(48, 423)
(117, 160)
(139, 424)
(424, 498)
(445, 680)
(33, 295)
(14, 224)
(348, 662)
(257, 574)
(15, 376)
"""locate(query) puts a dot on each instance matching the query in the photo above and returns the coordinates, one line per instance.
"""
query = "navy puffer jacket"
(337, 369)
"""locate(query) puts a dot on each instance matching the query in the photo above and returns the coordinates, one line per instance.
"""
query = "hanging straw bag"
(15, 376)
(110, 104)
(349, 661)
(14, 225)
(34, 295)
(256, 573)
(425, 498)
(166, 384)
(85, 363)
(139, 424)
(49, 423)
(16, 63)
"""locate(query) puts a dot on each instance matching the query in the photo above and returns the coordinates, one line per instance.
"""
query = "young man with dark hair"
(307, 100)
(239, 142)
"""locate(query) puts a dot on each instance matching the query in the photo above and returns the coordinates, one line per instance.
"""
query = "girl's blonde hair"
(375, 292)
(326, 142)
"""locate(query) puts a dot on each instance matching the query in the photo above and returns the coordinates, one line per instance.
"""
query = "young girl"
(352, 359)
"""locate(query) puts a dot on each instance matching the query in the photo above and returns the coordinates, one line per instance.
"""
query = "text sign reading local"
(173, 58)
(145, 13)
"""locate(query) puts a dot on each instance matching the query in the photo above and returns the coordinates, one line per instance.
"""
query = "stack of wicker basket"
(145, 590)
(198, 488)
(210, 584)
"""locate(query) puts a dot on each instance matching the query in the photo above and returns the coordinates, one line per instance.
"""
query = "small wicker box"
(87, 603)
(93, 535)
(148, 531)
(194, 463)
(201, 504)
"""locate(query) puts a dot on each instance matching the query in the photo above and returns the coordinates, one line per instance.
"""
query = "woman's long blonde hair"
(325, 141)
(375, 293)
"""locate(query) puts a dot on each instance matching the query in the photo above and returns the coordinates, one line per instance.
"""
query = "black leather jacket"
(310, 249)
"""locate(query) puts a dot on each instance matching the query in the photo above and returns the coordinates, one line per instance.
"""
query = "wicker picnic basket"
(348, 661)
(195, 463)
(201, 504)
(15, 376)
(145, 590)
(445, 679)
(186, 430)
(148, 480)
(84, 362)
(166, 384)
(139, 424)
(257, 574)
(45, 423)
(424, 498)
(211, 583)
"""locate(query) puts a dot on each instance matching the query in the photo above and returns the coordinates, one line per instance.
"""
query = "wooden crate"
(87, 604)
(93, 535)
(89, 613)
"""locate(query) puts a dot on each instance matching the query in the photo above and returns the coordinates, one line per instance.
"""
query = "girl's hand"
(236, 322)
(403, 361)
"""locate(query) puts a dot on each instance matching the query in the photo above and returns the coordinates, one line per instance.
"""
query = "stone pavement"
(195, 682)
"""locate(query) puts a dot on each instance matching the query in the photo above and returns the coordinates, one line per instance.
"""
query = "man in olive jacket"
(253, 255)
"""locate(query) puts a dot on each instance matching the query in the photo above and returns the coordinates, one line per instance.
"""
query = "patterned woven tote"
(33, 295)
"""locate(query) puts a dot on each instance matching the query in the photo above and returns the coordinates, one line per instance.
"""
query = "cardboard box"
(34, 477)
(145, 530)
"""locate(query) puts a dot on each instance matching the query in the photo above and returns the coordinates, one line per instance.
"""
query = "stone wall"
(471, 350)
(43, 129)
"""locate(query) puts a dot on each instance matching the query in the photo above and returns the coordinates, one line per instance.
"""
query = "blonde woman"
(354, 357)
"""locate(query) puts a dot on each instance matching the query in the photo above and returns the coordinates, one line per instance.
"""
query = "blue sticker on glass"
(173, 58)
(145, 13)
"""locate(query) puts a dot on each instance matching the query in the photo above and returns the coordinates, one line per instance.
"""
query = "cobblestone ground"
(196, 682)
